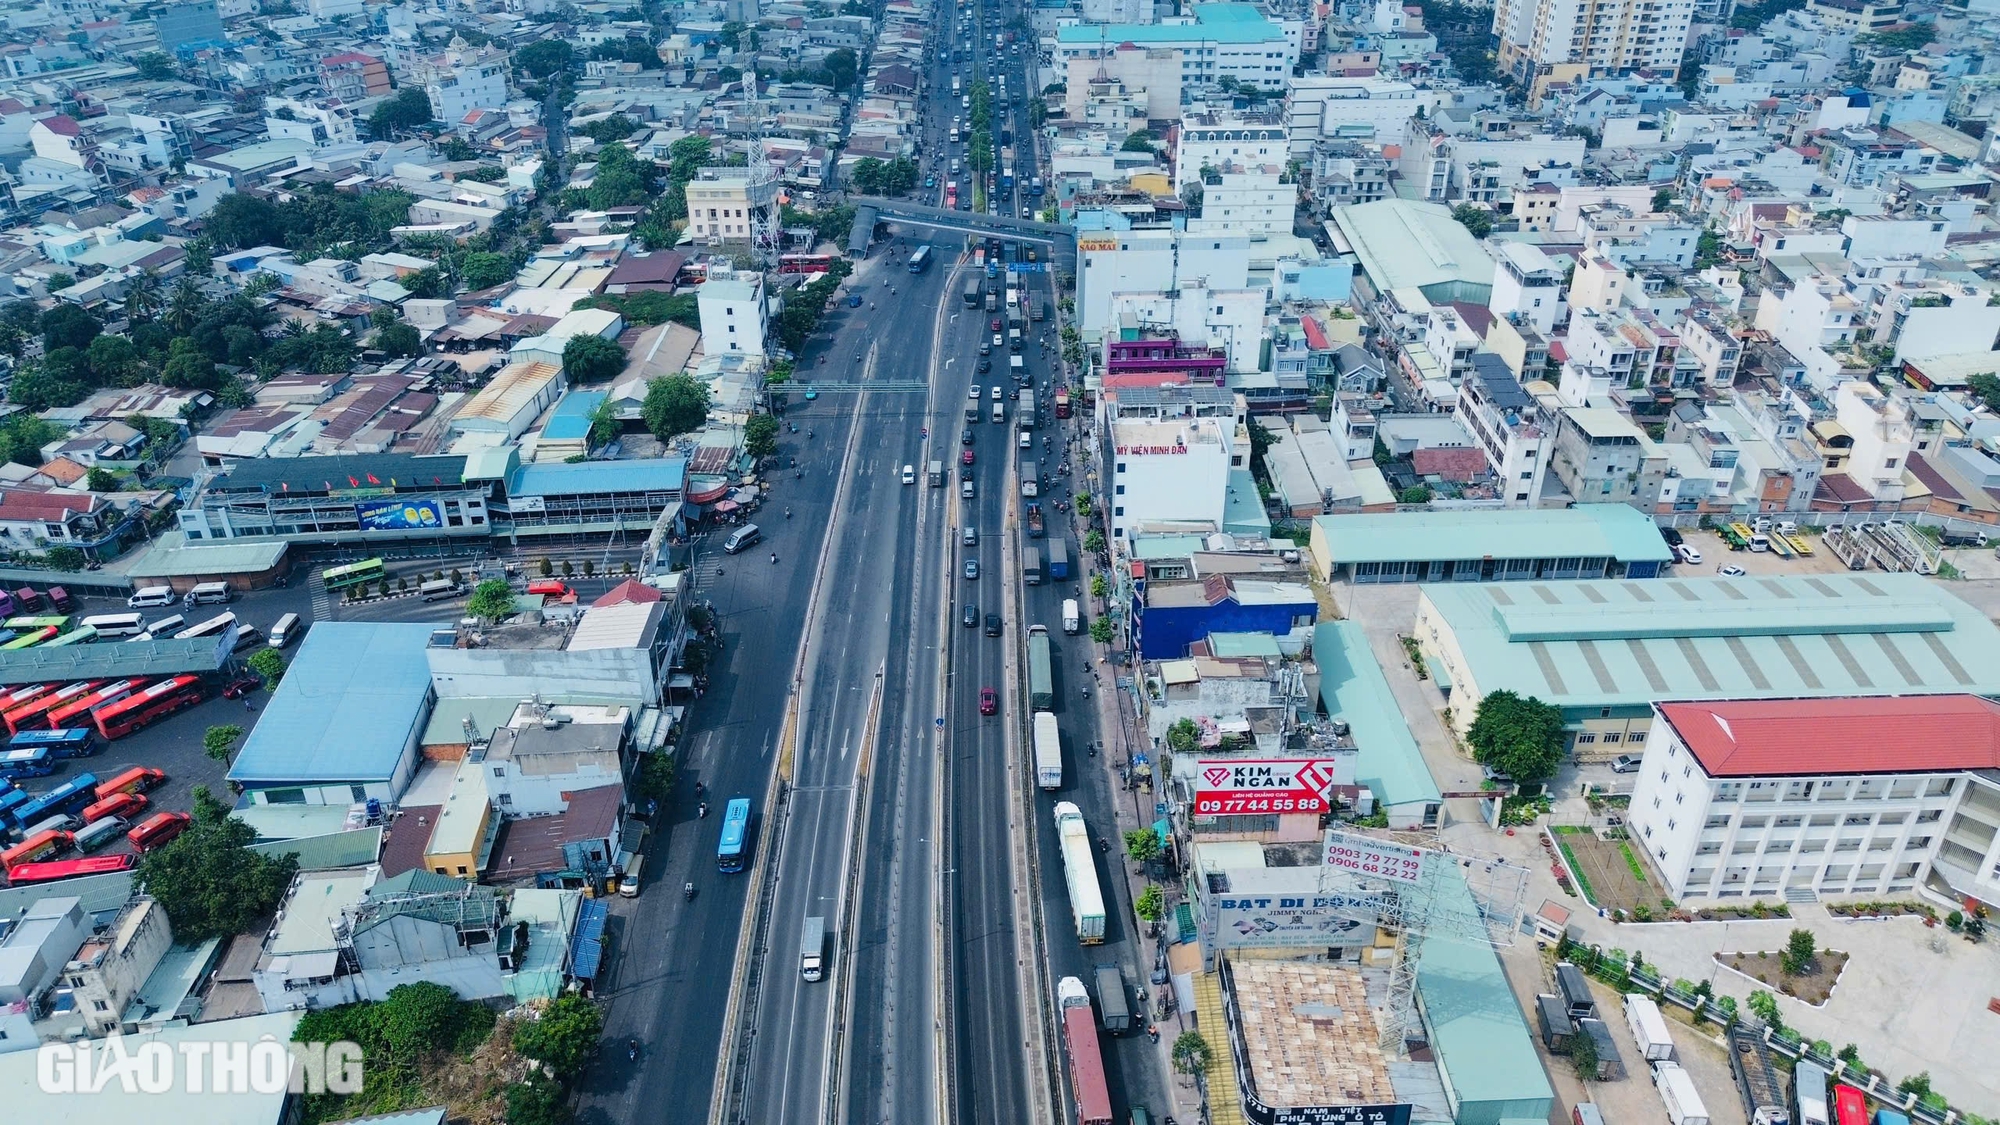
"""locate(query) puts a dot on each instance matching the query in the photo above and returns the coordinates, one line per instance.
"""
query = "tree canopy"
(491, 600)
(207, 879)
(676, 404)
(407, 109)
(592, 359)
(564, 1037)
(544, 58)
(1474, 218)
(1520, 736)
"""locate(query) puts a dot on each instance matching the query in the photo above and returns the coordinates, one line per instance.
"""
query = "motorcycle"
(1153, 1033)
(687, 892)
(632, 1050)
(774, 558)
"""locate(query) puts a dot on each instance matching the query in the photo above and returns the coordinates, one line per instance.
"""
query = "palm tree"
(144, 299)
(184, 306)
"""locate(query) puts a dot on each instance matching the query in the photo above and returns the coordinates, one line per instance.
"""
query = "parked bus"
(28, 874)
(142, 708)
(353, 574)
(735, 835)
(28, 761)
(804, 263)
(921, 260)
(115, 624)
(125, 806)
(30, 638)
(23, 624)
(158, 830)
(78, 710)
(138, 779)
(98, 833)
(28, 716)
(64, 742)
(208, 628)
(81, 635)
(35, 847)
(23, 694)
(68, 797)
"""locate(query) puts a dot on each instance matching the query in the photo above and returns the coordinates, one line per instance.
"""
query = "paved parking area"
(1386, 613)
(1715, 553)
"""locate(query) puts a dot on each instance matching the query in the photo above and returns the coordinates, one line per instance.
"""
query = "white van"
(628, 884)
(281, 633)
(209, 593)
(438, 589)
(742, 537)
(909, 474)
(151, 597)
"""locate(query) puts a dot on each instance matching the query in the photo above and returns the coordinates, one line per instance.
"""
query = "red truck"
(1062, 402)
(1086, 1061)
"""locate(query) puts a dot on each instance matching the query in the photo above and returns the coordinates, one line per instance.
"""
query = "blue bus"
(735, 835)
(30, 761)
(68, 797)
(11, 799)
(69, 742)
(921, 260)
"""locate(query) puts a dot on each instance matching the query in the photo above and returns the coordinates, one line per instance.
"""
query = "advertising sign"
(1367, 856)
(1394, 1114)
(1099, 243)
(407, 513)
(1237, 786)
(1267, 921)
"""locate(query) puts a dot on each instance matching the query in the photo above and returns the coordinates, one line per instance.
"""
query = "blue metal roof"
(570, 420)
(348, 708)
(586, 948)
(585, 478)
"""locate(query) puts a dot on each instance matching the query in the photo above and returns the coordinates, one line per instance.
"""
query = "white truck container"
(1048, 751)
(1072, 617)
(1683, 1102)
(1086, 900)
(1649, 1027)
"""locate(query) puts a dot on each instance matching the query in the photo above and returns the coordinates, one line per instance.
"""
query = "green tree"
(114, 361)
(1093, 541)
(417, 1019)
(64, 558)
(188, 368)
(1910, 37)
(656, 772)
(841, 66)
(867, 175)
(1474, 218)
(100, 479)
(60, 281)
(544, 58)
(1764, 1006)
(1101, 630)
(1184, 737)
(565, 1036)
(453, 147)
(68, 326)
(1987, 388)
(154, 66)
(219, 742)
(592, 359)
(399, 339)
(1416, 494)
(484, 270)
(1141, 141)
(405, 110)
(492, 599)
(429, 283)
(1143, 845)
(537, 1101)
(1663, 199)
(760, 435)
(269, 665)
(676, 404)
(238, 220)
(604, 423)
(1583, 1056)
(1191, 1053)
(207, 879)
(1799, 950)
(1151, 905)
(1520, 736)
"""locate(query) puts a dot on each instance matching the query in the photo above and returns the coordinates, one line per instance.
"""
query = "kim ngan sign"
(1248, 786)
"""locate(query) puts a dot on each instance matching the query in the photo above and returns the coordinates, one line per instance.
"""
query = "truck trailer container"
(1112, 1003)
(1058, 558)
(1031, 566)
(1048, 751)
(1041, 677)
(812, 949)
(1649, 1027)
(1757, 1079)
(1086, 899)
(1683, 1101)
(1808, 1093)
(1072, 617)
(1086, 1059)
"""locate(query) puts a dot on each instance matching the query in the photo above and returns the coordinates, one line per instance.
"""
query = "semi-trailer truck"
(1041, 673)
(1086, 1059)
(1086, 899)
(1112, 1003)
(1757, 1079)
(1048, 751)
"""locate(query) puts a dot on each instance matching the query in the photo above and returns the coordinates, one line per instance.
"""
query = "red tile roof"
(46, 507)
(1870, 735)
(64, 125)
(1460, 463)
(1316, 337)
(629, 592)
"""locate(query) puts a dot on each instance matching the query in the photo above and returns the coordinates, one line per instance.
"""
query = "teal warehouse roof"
(1613, 531)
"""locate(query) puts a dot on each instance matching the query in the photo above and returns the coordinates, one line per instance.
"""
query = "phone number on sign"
(1391, 866)
(1228, 804)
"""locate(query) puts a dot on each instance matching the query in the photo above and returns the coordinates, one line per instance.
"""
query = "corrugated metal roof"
(1355, 691)
(346, 710)
(166, 657)
(1875, 734)
(1613, 531)
(659, 474)
(510, 391)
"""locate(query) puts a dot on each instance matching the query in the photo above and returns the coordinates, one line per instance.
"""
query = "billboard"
(1235, 786)
(1265, 921)
(1397, 1113)
(405, 513)
(1370, 857)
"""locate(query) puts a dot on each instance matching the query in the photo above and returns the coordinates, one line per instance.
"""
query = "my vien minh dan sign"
(1253, 786)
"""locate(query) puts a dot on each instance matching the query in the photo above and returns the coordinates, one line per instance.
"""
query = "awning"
(707, 493)
(726, 506)
(586, 948)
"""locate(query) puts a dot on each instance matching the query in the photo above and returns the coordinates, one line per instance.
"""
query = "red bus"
(28, 873)
(66, 713)
(1850, 1106)
(157, 830)
(35, 847)
(124, 804)
(28, 715)
(138, 779)
(178, 693)
(24, 693)
(804, 263)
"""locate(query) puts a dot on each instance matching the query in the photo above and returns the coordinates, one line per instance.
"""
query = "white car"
(1688, 554)
(1730, 571)
(909, 474)
(972, 391)
(996, 394)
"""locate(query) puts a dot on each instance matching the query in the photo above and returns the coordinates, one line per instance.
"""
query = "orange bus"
(35, 847)
(123, 804)
(138, 779)
(29, 873)
(157, 830)
(28, 715)
(78, 708)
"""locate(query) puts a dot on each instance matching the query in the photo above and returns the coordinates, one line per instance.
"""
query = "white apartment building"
(460, 81)
(1527, 286)
(1883, 437)
(1230, 318)
(732, 315)
(1151, 261)
(1322, 105)
(1172, 471)
(1594, 40)
(1221, 40)
(1848, 796)
(1507, 424)
(1222, 143)
(1117, 11)
(1257, 202)
(723, 204)
(1150, 76)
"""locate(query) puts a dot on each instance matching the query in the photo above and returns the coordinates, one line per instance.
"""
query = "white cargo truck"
(1086, 899)
(1649, 1028)
(1683, 1102)
(1048, 751)
(1072, 617)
